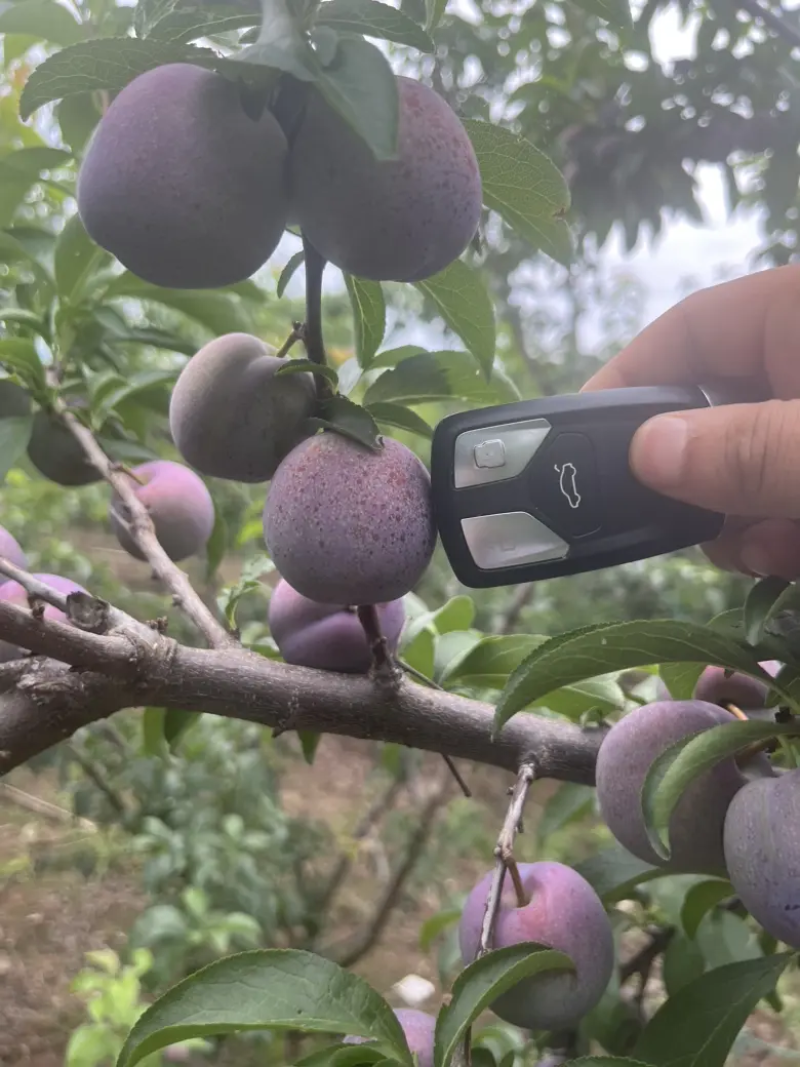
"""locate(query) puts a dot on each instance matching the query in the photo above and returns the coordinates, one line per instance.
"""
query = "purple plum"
(12, 592)
(10, 550)
(419, 1028)
(746, 692)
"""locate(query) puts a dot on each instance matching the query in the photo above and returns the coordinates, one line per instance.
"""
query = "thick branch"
(144, 534)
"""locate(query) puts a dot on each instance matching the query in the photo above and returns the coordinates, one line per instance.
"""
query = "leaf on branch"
(76, 257)
(280, 46)
(434, 10)
(288, 272)
(360, 85)
(340, 414)
(699, 1024)
(482, 981)
(671, 773)
(269, 989)
(43, 20)
(466, 307)
(614, 873)
(700, 900)
(369, 316)
(399, 417)
(374, 19)
(571, 658)
(19, 355)
(177, 722)
(309, 741)
(20, 170)
(15, 250)
(765, 600)
(187, 24)
(524, 187)
(681, 678)
(104, 63)
(430, 376)
(308, 366)
(220, 311)
(15, 433)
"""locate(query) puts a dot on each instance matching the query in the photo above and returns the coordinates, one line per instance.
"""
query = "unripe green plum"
(625, 756)
(14, 401)
(562, 912)
(400, 220)
(762, 851)
(181, 184)
(56, 454)
(231, 416)
(12, 592)
(328, 637)
(746, 692)
(419, 1028)
(346, 525)
(179, 505)
(10, 549)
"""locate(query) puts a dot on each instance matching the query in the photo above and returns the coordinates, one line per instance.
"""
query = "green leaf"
(307, 366)
(683, 962)
(698, 1025)
(20, 170)
(436, 925)
(176, 723)
(568, 802)
(369, 315)
(280, 46)
(681, 678)
(219, 311)
(392, 356)
(44, 20)
(288, 271)
(15, 433)
(481, 982)
(464, 303)
(614, 872)
(524, 187)
(399, 417)
(104, 63)
(76, 256)
(700, 900)
(153, 740)
(13, 249)
(374, 19)
(361, 86)
(187, 24)
(349, 419)
(18, 354)
(489, 664)
(432, 376)
(435, 10)
(309, 742)
(570, 658)
(764, 601)
(77, 117)
(678, 766)
(270, 989)
(616, 13)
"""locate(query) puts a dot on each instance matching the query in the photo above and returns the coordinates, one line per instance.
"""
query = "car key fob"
(543, 488)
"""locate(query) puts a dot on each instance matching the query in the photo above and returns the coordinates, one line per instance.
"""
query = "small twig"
(43, 807)
(504, 854)
(313, 339)
(298, 334)
(642, 961)
(770, 19)
(462, 785)
(144, 534)
(519, 602)
(95, 775)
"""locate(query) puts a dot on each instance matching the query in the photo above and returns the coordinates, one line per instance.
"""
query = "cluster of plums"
(191, 185)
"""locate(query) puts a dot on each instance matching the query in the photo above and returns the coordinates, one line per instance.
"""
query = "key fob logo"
(566, 483)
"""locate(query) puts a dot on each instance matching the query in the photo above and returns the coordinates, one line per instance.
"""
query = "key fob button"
(497, 453)
(564, 486)
(510, 540)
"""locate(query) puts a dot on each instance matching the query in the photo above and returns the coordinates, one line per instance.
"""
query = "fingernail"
(658, 452)
(756, 561)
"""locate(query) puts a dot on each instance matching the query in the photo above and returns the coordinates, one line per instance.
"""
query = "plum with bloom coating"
(347, 525)
(419, 1028)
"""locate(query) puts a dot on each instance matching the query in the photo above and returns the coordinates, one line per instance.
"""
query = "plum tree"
(10, 549)
(695, 828)
(390, 220)
(762, 851)
(56, 454)
(181, 184)
(419, 1028)
(12, 592)
(348, 525)
(328, 637)
(562, 912)
(178, 503)
(231, 416)
(717, 686)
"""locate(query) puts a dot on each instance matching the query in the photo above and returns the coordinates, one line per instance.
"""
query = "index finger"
(749, 327)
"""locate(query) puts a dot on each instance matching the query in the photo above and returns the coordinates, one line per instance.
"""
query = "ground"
(51, 914)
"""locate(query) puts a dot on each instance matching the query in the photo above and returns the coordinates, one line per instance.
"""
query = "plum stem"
(298, 334)
(504, 855)
(370, 623)
(314, 341)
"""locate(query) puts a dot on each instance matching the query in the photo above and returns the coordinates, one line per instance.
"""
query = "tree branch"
(144, 534)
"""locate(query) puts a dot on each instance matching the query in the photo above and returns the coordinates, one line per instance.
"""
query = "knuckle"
(758, 446)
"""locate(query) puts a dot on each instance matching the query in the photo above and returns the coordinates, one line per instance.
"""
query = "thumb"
(741, 459)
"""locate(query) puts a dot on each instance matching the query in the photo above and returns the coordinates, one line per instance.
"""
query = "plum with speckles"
(762, 850)
(563, 912)
(232, 416)
(400, 220)
(624, 758)
(419, 1028)
(348, 525)
(746, 692)
(56, 454)
(10, 549)
(181, 184)
(13, 593)
(179, 505)
(328, 637)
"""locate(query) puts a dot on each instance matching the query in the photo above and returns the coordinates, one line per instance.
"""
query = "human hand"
(741, 459)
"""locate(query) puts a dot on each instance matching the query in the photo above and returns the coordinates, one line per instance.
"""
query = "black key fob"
(543, 488)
